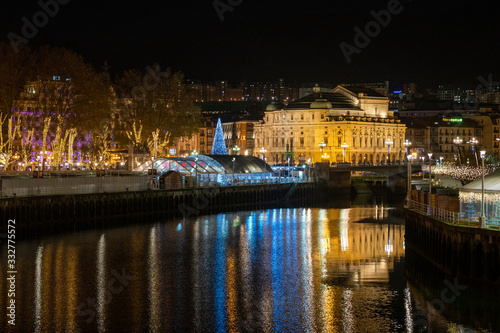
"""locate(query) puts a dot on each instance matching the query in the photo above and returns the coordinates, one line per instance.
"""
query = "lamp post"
(236, 150)
(406, 144)
(344, 146)
(309, 169)
(262, 153)
(483, 217)
(196, 170)
(288, 170)
(389, 142)
(474, 142)
(458, 141)
(429, 207)
(321, 145)
(234, 159)
(408, 188)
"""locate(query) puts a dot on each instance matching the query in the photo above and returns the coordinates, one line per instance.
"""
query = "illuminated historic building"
(351, 124)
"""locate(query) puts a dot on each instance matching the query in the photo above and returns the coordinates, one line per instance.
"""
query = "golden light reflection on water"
(275, 270)
(72, 284)
(232, 294)
(153, 277)
(38, 288)
(101, 283)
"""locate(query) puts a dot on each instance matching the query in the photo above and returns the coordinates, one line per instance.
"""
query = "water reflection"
(335, 270)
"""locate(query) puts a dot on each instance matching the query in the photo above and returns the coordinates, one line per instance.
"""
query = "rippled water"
(286, 270)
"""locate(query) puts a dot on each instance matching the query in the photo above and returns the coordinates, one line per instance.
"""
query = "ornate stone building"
(351, 124)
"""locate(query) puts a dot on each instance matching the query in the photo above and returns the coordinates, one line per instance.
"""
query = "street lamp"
(236, 150)
(474, 142)
(406, 144)
(196, 170)
(309, 169)
(389, 142)
(321, 145)
(429, 207)
(458, 141)
(408, 189)
(288, 170)
(483, 217)
(234, 159)
(344, 146)
(263, 152)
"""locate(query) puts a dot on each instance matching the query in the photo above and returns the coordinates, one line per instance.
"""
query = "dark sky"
(428, 42)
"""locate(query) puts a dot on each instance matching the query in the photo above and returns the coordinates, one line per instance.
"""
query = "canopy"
(209, 164)
(491, 184)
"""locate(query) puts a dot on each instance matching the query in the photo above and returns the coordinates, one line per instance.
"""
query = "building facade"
(347, 124)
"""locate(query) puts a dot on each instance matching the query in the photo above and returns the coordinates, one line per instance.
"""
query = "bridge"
(338, 177)
(386, 170)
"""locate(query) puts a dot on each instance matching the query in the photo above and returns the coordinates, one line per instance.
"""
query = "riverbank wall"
(51, 214)
(466, 252)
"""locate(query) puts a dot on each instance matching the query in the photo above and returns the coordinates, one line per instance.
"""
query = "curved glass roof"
(209, 164)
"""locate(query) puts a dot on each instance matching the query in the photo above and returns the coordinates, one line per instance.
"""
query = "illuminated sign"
(398, 91)
(172, 151)
(453, 120)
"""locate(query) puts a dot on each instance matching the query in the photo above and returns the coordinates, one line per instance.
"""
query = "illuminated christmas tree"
(219, 147)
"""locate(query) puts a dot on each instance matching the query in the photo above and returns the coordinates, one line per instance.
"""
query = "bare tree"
(165, 111)
(7, 141)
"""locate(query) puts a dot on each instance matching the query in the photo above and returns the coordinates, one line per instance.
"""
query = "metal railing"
(27, 187)
(444, 215)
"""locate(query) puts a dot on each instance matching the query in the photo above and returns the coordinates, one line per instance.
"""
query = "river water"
(275, 270)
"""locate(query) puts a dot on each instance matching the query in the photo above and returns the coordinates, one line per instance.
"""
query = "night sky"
(428, 42)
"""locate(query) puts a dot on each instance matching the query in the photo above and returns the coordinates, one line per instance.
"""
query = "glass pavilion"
(214, 169)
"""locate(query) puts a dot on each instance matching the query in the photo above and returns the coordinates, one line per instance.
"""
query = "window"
(202, 132)
(301, 142)
(291, 117)
(322, 116)
(302, 117)
(313, 116)
(325, 141)
(339, 140)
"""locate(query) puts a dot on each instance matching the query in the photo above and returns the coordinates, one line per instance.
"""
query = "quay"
(52, 213)
(459, 248)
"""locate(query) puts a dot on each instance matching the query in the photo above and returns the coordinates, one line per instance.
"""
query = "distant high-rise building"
(269, 91)
(410, 88)
(380, 87)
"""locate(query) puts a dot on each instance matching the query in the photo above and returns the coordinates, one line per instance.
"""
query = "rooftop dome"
(320, 104)
(274, 106)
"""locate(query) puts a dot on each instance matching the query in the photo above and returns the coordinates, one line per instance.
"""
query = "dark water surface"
(276, 270)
